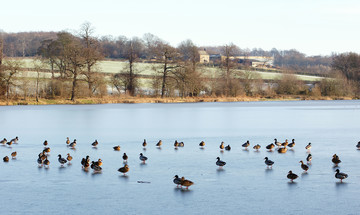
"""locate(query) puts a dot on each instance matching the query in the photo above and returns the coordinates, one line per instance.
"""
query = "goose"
(222, 146)
(73, 144)
(186, 183)
(6, 159)
(176, 144)
(336, 160)
(144, 143)
(13, 155)
(270, 146)
(282, 150)
(309, 158)
(228, 148)
(257, 147)
(95, 167)
(116, 148)
(4, 141)
(181, 144)
(202, 144)
(98, 162)
(304, 166)
(45, 143)
(159, 143)
(308, 146)
(340, 175)
(247, 144)
(46, 162)
(124, 169)
(67, 141)
(268, 162)
(220, 163)
(358, 145)
(292, 144)
(142, 157)
(125, 157)
(292, 176)
(69, 157)
(177, 180)
(95, 143)
(285, 143)
(278, 144)
(61, 160)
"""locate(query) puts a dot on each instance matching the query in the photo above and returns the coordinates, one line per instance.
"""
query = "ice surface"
(243, 186)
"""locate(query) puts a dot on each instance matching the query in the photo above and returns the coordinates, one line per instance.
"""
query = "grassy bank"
(133, 100)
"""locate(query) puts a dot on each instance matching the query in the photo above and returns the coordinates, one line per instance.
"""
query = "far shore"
(136, 100)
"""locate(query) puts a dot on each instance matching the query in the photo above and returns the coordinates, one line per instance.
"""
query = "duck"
(292, 144)
(125, 157)
(39, 160)
(67, 141)
(14, 140)
(308, 146)
(69, 157)
(284, 144)
(270, 146)
(282, 150)
(181, 144)
(73, 144)
(340, 175)
(46, 162)
(159, 143)
(9, 143)
(292, 176)
(268, 162)
(95, 143)
(116, 148)
(4, 141)
(6, 159)
(336, 160)
(220, 163)
(222, 146)
(95, 167)
(176, 144)
(142, 157)
(257, 147)
(144, 143)
(304, 166)
(358, 145)
(202, 144)
(186, 183)
(42, 155)
(124, 169)
(85, 160)
(61, 160)
(13, 155)
(228, 148)
(47, 150)
(177, 180)
(245, 145)
(98, 162)
(309, 158)
(278, 144)
(45, 143)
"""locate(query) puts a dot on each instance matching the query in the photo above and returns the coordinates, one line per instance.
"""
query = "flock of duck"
(179, 181)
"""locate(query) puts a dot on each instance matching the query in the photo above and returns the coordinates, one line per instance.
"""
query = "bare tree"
(228, 66)
(10, 69)
(92, 56)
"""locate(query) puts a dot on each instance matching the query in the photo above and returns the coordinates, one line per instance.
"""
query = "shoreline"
(139, 100)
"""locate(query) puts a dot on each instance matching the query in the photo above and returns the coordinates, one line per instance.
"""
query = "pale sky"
(314, 27)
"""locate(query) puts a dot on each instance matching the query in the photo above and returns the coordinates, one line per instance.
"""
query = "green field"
(112, 67)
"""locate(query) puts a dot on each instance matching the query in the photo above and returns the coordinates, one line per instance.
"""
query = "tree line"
(73, 61)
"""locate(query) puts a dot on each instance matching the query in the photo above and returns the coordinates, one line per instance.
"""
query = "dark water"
(244, 186)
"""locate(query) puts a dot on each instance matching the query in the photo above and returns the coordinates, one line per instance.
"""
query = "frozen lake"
(244, 186)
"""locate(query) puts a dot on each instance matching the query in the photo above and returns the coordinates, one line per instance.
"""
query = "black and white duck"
(142, 157)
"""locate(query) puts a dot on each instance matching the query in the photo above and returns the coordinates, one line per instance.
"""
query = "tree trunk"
(74, 87)
(164, 79)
